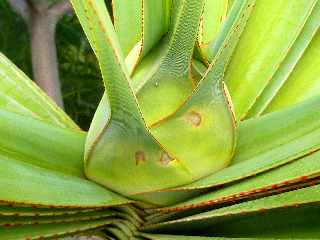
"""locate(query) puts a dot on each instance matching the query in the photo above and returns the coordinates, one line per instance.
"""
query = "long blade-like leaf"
(304, 81)
(288, 215)
(10, 221)
(271, 31)
(213, 15)
(49, 230)
(41, 144)
(27, 184)
(299, 171)
(289, 63)
(19, 94)
(140, 24)
(19, 211)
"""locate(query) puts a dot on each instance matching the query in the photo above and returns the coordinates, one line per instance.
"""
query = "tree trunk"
(41, 19)
(44, 54)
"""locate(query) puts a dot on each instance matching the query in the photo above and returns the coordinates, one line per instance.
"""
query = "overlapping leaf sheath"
(134, 129)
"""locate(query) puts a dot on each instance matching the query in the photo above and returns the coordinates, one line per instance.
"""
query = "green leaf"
(26, 184)
(14, 210)
(20, 95)
(287, 215)
(149, 65)
(299, 171)
(172, 76)
(50, 230)
(128, 23)
(118, 123)
(139, 27)
(289, 64)
(198, 70)
(196, 121)
(184, 237)
(41, 144)
(213, 15)
(287, 136)
(10, 221)
(270, 33)
(304, 81)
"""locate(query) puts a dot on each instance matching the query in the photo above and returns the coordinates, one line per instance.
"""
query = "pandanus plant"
(167, 155)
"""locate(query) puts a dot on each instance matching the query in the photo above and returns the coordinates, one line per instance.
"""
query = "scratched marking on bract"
(194, 118)
(165, 158)
(140, 157)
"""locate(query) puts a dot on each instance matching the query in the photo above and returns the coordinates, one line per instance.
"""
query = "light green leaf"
(291, 61)
(23, 183)
(304, 81)
(140, 24)
(270, 33)
(39, 143)
(14, 210)
(299, 171)
(49, 230)
(20, 95)
(287, 215)
(287, 135)
(124, 129)
(197, 123)
(172, 76)
(11, 221)
(213, 15)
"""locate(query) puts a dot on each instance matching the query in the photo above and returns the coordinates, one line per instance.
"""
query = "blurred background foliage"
(79, 72)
